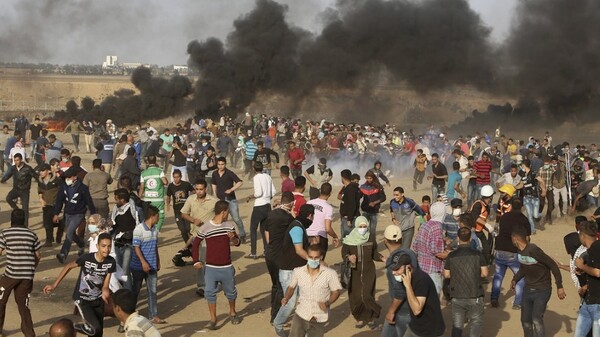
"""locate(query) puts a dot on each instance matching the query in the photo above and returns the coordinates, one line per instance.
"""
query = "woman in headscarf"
(360, 249)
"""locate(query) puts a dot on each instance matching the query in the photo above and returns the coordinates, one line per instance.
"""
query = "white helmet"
(487, 191)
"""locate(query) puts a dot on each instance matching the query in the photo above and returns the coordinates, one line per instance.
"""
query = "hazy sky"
(152, 31)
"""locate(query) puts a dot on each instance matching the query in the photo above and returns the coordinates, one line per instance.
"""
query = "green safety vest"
(154, 190)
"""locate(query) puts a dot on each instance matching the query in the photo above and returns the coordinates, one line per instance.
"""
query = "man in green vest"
(152, 188)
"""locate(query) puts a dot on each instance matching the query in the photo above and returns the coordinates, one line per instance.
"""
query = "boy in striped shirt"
(22, 257)
(219, 235)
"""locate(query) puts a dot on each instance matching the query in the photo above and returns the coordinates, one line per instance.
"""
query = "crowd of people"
(488, 194)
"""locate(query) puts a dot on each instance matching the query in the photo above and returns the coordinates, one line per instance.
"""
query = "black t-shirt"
(276, 224)
(36, 131)
(530, 184)
(439, 170)
(179, 193)
(430, 322)
(224, 183)
(179, 159)
(508, 223)
(92, 276)
(593, 294)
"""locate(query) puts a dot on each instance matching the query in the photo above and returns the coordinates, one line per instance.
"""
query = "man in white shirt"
(264, 189)
(319, 287)
(321, 226)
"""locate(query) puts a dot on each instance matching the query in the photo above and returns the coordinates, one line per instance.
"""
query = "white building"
(111, 61)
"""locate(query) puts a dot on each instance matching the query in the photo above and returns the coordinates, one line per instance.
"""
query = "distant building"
(181, 70)
(111, 62)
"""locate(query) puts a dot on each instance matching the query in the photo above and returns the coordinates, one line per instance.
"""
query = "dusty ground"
(187, 315)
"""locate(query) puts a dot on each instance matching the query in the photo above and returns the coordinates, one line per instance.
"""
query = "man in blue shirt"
(454, 180)
(145, 263)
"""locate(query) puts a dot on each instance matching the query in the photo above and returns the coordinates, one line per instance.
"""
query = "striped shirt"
(483, 168)
(218, 251)
(250, 148)
(20, 244)
(314, 290)
(147, 239)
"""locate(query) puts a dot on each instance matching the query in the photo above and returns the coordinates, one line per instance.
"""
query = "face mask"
(190, 152)
(547, 166)
(313, 264)
(92, 228)
(456, 211)
(398, 278)
(204, 143)
(362, 231)
(65, 160)
(69, 182)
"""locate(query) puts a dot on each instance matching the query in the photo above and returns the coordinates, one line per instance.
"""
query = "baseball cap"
(399, 261)
(392, 233)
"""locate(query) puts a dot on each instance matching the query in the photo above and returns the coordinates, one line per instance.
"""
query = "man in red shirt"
(482, 169)
(299, 200)
(295, 158)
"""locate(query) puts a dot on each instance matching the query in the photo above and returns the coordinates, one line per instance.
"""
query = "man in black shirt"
(438, 177)
(224, 183)
(350, 203)
(423, 299)
(22, 175)
(465, 267)
(535, 268)
(589, 311)
(506, 252)
(179, 190)
(263, 155)
(275, 228)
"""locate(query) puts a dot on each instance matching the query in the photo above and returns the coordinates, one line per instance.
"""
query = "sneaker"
(235, 319)
(494, 303)
(242, 240)
(121, 329)
(124, 278)
(516, 307)
(212, 325)
(61, 258)
(200, 292)
(252, 256)
(85, 329)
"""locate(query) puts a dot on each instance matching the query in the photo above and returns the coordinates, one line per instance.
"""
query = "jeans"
(532, 205)
(213, 276)
(398, 329)
(372, 218)
(258, 218)
(285, 278)
(473, 309)
(532, 311)
(588, 318)
(346, 226)
(438, 281)
(151, 278)
(24, 196)
(471, 194)
(506, 260)
(72, 221)
(435, 190)
(407, 237)
(123, 253)
(234, 211)
(418, 178)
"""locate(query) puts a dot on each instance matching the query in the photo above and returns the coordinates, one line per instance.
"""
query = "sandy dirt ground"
(187, 315)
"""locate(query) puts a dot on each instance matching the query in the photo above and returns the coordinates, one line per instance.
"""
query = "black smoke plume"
(158, 98)
(429, 44)
(555, 47)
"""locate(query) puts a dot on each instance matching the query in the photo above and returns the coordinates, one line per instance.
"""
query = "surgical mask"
(547, 166)
(313, 264)
(69, 182)
(398, 278)
(204, 143)
(362, 230)
(92, 228)
(65, 160)
(456, 211)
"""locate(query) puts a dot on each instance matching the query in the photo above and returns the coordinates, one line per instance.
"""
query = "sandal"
(372, 325)
(158, 320)
(235, 319)
(212, 325)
